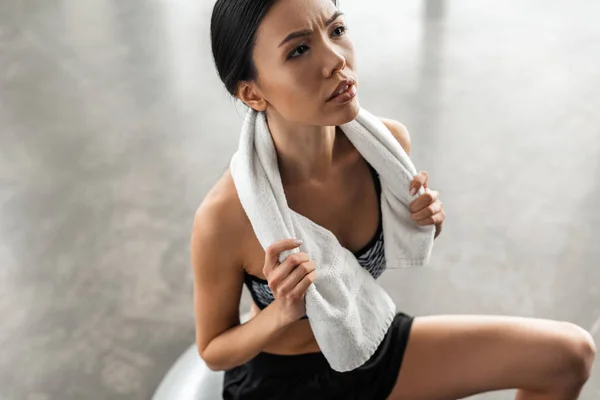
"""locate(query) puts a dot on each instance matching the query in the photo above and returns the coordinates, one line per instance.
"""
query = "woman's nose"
(334, 61)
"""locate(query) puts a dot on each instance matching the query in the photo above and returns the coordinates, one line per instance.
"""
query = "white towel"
(349, 312)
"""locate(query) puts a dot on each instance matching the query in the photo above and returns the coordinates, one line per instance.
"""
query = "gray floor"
(113, 125)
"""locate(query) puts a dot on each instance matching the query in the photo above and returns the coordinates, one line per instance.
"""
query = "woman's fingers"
(419, 181)
(281, 272)
(427, 198)
(300, 290)
(295, 277)
(438, 230)
(273, 251)
(428, 211)
(435, 219)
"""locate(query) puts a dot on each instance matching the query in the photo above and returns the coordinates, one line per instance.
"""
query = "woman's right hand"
(289, 280)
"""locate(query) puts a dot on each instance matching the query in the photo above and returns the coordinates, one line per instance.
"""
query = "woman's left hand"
(427, 209)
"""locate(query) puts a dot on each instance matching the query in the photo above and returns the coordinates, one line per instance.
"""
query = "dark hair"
(233, 27)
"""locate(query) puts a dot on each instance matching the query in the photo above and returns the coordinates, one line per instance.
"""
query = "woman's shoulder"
(221, 218)
(399, 131)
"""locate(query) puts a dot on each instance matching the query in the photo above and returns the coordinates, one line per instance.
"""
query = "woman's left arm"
(427, 209)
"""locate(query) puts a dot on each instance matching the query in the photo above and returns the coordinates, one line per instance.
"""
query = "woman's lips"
(347, 95)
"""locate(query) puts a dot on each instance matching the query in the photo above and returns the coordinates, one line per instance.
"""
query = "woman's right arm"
(218, 279)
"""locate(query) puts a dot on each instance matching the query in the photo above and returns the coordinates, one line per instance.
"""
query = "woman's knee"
(578, 352)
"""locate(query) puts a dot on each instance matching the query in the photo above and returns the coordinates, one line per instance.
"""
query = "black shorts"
(309, 376)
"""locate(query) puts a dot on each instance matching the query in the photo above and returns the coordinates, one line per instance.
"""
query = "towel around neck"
(348, 311)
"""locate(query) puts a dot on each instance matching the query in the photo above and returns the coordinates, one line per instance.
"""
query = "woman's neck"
(305, 153)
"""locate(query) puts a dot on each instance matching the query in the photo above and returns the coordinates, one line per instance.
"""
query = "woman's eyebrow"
(295, 35)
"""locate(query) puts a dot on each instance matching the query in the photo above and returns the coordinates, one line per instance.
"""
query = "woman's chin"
(348, 113)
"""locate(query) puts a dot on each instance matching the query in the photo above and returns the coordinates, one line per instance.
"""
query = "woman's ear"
(248, 93)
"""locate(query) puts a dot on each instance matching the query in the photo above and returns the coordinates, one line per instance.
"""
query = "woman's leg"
(451, 357)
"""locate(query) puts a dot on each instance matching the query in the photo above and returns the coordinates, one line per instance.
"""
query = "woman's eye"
(340, 30)
(298, 51)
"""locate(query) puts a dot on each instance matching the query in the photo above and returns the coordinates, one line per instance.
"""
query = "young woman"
(293, 60)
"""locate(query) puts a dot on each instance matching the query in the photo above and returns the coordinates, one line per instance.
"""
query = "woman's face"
(302, 54)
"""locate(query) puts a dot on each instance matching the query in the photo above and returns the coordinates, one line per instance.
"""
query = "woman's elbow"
(209, 360)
